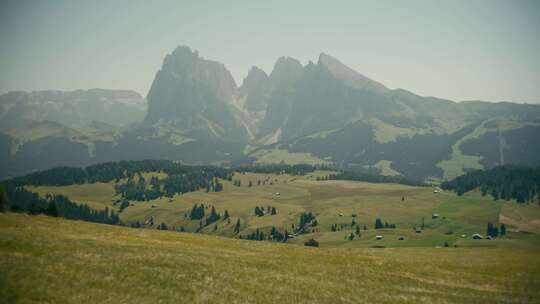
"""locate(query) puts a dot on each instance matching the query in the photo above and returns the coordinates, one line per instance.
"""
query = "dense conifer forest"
(505, 182)
(358, 175)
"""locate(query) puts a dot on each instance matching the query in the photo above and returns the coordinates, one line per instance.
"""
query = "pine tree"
(489, 230)
(503, 230)
(237, 227)
(226, 214)
(259, 211)
(378, 224)
(3, 199)
(274, 211)
(51, 210)
(358, 230)
(213, 217)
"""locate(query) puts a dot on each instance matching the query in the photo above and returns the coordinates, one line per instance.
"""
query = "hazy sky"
(459, 50)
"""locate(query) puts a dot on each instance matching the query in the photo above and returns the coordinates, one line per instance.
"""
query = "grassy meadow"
(333, 203)
(53, 260)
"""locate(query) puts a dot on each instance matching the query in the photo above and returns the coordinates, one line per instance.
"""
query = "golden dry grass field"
(53, 260)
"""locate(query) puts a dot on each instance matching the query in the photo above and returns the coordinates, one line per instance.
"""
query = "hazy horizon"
(481, 50)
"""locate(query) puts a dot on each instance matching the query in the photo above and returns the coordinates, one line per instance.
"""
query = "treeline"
(274, 235)
(142, 190)
(503, 182)
(107, 172)
(180, 179)
(17, 199)
(279, 169)
(373, 178)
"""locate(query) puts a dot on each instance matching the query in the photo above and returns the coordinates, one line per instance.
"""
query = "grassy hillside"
(333, 202)
(51, 260)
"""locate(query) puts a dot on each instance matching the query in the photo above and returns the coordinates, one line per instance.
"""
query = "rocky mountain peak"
(253, 90)
(195, 95)
(349, 76)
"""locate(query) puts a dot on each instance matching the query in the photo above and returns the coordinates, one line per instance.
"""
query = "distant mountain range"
(322, 112)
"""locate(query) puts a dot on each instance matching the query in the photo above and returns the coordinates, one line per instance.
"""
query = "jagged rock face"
(195, 95)
(254, 90)
(71, 108)
(321, 96)
(196, 113)
(349, 76)
(281, 92)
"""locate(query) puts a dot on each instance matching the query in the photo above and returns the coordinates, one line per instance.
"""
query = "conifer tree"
(237, 227)
(378, 224)
(52, 210)
(3, 199)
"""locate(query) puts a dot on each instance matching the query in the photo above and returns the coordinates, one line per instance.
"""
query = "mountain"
(71, 108)
(195, 96)
(328, 111)
(323, 112)
(252, 93)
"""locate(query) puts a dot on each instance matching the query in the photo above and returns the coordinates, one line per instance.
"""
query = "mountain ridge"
(197, 113)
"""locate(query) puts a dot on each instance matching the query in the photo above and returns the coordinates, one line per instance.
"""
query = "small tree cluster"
(494, 231)
(379, 224)
(261, 211)
(278, 236)
(197, 212)
(307, 220)
(256, 236)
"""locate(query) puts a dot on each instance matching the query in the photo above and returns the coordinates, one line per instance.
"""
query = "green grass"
(522, 217)
(50, 260)
(96, 196)
(385, 133)
(276, 156)
(458, 162)
(385, 167)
